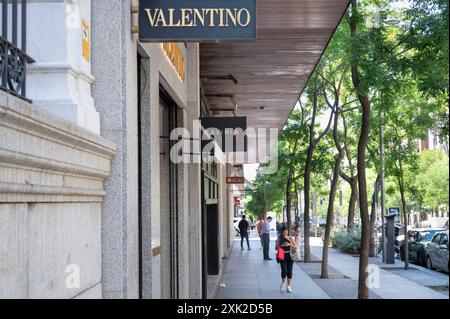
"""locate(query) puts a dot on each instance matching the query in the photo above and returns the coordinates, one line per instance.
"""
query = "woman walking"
(286, 243)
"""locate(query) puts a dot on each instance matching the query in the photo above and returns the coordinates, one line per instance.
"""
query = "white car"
(437, 252)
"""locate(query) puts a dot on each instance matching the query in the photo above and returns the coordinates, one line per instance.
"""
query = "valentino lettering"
(193, 17)
(196, 20)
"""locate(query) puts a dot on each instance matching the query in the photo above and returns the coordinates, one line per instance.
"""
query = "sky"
(250, 171)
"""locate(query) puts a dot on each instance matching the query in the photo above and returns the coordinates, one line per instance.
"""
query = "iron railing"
(14, 59)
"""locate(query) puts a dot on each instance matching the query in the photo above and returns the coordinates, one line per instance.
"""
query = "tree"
(313, 92)
(400, 70)
(362, 93)
(270, 190)
(334, 180)
(351, 179)
(288, 188)
(332, 72)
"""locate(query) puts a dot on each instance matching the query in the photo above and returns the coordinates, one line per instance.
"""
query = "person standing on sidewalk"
(259, 229)
(297, 234)
(266, 238)
(286, 243)
(278, 227)
(243, 230)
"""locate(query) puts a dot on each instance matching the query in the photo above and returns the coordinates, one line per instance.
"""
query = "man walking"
(266, 238)
(243, 230)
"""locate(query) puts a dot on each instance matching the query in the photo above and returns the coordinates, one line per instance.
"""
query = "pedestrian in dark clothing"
(286, 243)
(279, 225)
(243, 230)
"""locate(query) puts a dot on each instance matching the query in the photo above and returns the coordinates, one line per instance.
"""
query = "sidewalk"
(247, 276)
(394, 282)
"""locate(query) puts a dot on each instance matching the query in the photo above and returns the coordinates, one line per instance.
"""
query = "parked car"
(437, 252)
(418, 240)
(399, 236)
(322, 223)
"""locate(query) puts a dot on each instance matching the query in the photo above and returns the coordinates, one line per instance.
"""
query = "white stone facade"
(51, 192)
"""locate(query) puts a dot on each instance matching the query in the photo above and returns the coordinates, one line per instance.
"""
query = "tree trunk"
(363, 291)
(373, 217)
(307, 181)
(405, 219)
(352, 203)
(330, 211)
(288, 200)
(313, 142)
(330, 216)
(352, 180)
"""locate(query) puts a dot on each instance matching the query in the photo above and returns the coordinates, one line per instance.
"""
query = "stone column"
(114, 64)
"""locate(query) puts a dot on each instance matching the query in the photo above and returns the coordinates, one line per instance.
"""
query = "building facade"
(88, 188)
(91, 204)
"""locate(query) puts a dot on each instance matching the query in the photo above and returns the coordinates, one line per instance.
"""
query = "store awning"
(272, 71)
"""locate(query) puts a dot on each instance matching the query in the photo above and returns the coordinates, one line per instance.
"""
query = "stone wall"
(51, 192)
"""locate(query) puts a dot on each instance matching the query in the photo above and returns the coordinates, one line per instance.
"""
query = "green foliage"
(404, 71)
(432, 179)
(349, 241)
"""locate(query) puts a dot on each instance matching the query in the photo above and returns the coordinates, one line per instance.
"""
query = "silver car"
(437, 252)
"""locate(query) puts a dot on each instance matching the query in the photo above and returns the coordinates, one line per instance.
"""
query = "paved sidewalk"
(247, 276)
(391, 285)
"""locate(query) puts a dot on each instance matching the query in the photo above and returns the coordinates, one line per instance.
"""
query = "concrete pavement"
(247, 275)
(389, 284)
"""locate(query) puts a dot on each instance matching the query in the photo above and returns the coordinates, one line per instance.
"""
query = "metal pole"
(383, 199)
(301, 221)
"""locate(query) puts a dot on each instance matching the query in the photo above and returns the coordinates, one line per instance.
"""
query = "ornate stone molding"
(45, 158)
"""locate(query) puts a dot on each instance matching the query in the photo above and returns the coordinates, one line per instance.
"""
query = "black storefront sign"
(196, 20)
(228, 132)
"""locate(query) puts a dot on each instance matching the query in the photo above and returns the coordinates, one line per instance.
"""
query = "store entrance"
(210, 224)
(168, 197)
(212, 238)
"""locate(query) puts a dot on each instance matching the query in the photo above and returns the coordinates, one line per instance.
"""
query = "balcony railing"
(13, 59)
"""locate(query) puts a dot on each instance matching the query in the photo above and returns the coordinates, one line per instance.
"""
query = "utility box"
(390, 238)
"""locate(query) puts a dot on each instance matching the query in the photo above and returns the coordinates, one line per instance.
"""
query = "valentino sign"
(196, 20)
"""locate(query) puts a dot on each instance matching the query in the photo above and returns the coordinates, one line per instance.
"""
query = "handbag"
(280, 254)
(295, 256)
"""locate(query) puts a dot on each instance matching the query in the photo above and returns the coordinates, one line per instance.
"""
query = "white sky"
(250, 171)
